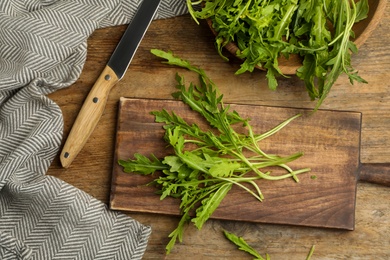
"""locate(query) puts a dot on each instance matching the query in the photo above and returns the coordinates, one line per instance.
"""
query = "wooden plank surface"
(330, 141)
(148, 78)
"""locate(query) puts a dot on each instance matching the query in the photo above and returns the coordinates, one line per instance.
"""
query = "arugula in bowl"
(265, 30)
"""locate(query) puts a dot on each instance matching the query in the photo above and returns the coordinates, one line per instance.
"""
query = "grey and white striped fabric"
(43, 49)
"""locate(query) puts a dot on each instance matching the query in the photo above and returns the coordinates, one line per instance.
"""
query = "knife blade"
(95, 103)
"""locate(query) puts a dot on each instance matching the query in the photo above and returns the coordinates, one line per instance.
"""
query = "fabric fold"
(43, 47)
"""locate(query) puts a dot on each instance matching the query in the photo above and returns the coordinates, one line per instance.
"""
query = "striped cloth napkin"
(43, 49)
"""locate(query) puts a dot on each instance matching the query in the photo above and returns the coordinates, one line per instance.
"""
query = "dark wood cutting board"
(324, 197)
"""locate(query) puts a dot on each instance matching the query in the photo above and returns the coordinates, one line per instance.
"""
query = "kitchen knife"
(94, 105)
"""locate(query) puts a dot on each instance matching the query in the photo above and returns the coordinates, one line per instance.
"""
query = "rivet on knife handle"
(89, 116)
(95, 103)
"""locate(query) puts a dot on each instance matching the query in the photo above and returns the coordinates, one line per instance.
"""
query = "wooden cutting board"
(324, 197)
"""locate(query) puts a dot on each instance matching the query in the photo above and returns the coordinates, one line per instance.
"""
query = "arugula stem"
(235, 181)
(191, 9)
(311, 252)
(277, 128)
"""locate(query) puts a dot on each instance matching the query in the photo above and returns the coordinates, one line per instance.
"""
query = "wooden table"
(148, 78)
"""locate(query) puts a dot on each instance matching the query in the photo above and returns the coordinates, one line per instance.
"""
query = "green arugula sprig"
(244, 246)
(206, 163)
(264, 30)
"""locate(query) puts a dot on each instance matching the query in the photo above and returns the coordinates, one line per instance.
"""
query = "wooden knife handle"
(378, 173)
(89, 116)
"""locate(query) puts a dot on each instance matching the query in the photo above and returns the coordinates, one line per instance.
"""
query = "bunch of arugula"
(202, 176)
(264, 30)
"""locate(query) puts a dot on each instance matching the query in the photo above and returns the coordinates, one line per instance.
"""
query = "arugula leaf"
(361, 10)
(142, 164)
(210, 204)
(173, 162)
(243, 245)
(225, 168)
(177, 234)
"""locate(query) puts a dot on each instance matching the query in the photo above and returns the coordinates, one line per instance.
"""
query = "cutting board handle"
(378, 173)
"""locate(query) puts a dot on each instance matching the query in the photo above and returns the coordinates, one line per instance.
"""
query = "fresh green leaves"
(144, 165)
(244, 246)
(319, 31)
(207, 163)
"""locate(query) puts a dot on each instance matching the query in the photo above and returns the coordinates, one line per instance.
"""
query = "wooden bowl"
(362, 29)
